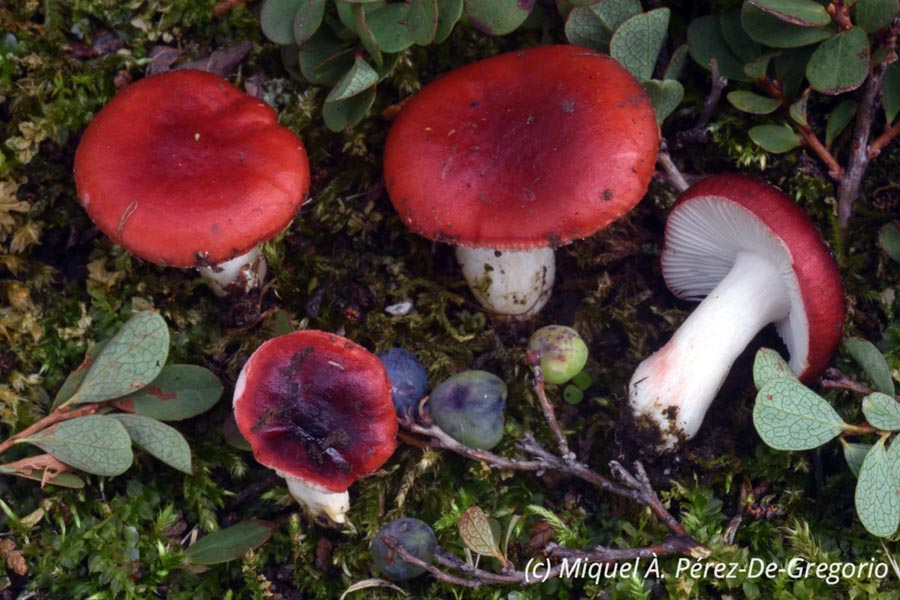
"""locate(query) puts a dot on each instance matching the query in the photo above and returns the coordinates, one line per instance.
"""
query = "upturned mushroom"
(512, 156)
(185, 170)
(317, 409)
(757, 259)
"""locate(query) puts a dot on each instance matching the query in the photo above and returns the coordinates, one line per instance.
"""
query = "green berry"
(562, 352)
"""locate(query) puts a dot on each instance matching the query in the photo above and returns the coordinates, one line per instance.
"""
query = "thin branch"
(835, 170)
(715, 94)
(836, 380)
(884, 139)
(549, 414)
(671, 171)
(61, 414)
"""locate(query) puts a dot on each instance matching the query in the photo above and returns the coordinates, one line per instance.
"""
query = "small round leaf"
(873, 15)
(584, 28)
(498, 17)
(705, 42)
(841, 63)
(753, 103)
(767, 365)
(771, 31)
(790, 416)
(775, 138)
(95, 444)
(230, 543)
(276, 17)
(449, 12)
(803, 13)
(475, 531)
(882, 411)
(422, 21)
(307, 20)
(637, 42)
(158, 440)
(665, 95)
(345, 114)
(359, 78)
(877, 501)
(873, 363)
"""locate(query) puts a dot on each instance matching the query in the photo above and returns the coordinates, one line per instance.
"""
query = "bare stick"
(884, 139)
(835, 170)
(715, 94)
(834, 379)
(671, 171)
(547, 408)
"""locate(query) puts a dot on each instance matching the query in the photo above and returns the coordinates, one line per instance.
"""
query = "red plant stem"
(62, 414)
(835, 170)
(549, 413)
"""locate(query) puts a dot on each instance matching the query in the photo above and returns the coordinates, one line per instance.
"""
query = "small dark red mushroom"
(183, 169)
(514, 155)
(316, 408)
(756, 258)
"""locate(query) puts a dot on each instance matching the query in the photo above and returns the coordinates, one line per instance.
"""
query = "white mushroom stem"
(238, 275)
(674, 387)
(318, 501)
(510, 283)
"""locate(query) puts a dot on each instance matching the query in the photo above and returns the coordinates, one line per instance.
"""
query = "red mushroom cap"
(722, 215)
(316, 406)
(527, 149)
(184, 169)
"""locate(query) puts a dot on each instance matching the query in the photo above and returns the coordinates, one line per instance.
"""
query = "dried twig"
(836, 380)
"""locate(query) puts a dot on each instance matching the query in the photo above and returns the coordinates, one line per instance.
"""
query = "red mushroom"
(183, 169)
(512, 156)
(757, 259)
(316, 408)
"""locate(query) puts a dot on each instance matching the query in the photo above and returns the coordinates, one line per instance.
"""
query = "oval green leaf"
(771, 31)
(665, 95)
(759, 66)
(388, 25)
(158, 440)
(307, 20)
(179, 392)
(889, 240)
(73, 381)
(276, 17)
(789, 416)
(584, 28)
(675, 68)
(705, 42)
(741, 44)
(877, 501)
(838, 120)
(753, 103)
(797, 110)
(873, 15)
(873, 363)
(345, 114)
(95, 444)
(449, 12)
(855, 454)
(841, 63)
(230, 543)
(324, 59)
(358, 79)
(775, 138)
(475, 531)
(498, 17)
(767, 365)
(422, 21)
(803, 13)
(131, 359)
(612, 13)
(882, 411)
(637, 42)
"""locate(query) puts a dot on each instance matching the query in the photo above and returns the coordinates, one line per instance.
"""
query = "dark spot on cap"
(607, 195)
(475, 104)
(568, 106)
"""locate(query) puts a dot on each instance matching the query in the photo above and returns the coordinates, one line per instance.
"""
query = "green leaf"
(357, 80)
(775, 138)
(475, 531)
(233, 436)
(665, 96)
(767, 365)
(276, 18)
(324, 59)
(889, 240)
(676, 65)
(637, 42)
(584, 28)
(769, 30)
(422, 21)
(365, 33)
(882, 411)
(179, 392)
(743, 47)
(158, 439)
(76, 377)
(758, 67)
(133, 357)
(890, 92)
(873, 15)
(855, 454)
(95, 444)
(388, 25)
(804, 13)
(841, 63)
(840, 117)
(790, 69)
(345, 114)
(449, 12)
(230, 543)
(789, 416)
(612, 13)
(877, 502)
(753, 103)
(307, 20)
(705, 42)
(498, 17)
(873, 363)
(797, 110)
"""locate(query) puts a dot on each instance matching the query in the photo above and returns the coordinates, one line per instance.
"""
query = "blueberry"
(408, 379)
(562, 352)
(469, 406)
(415, 536)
